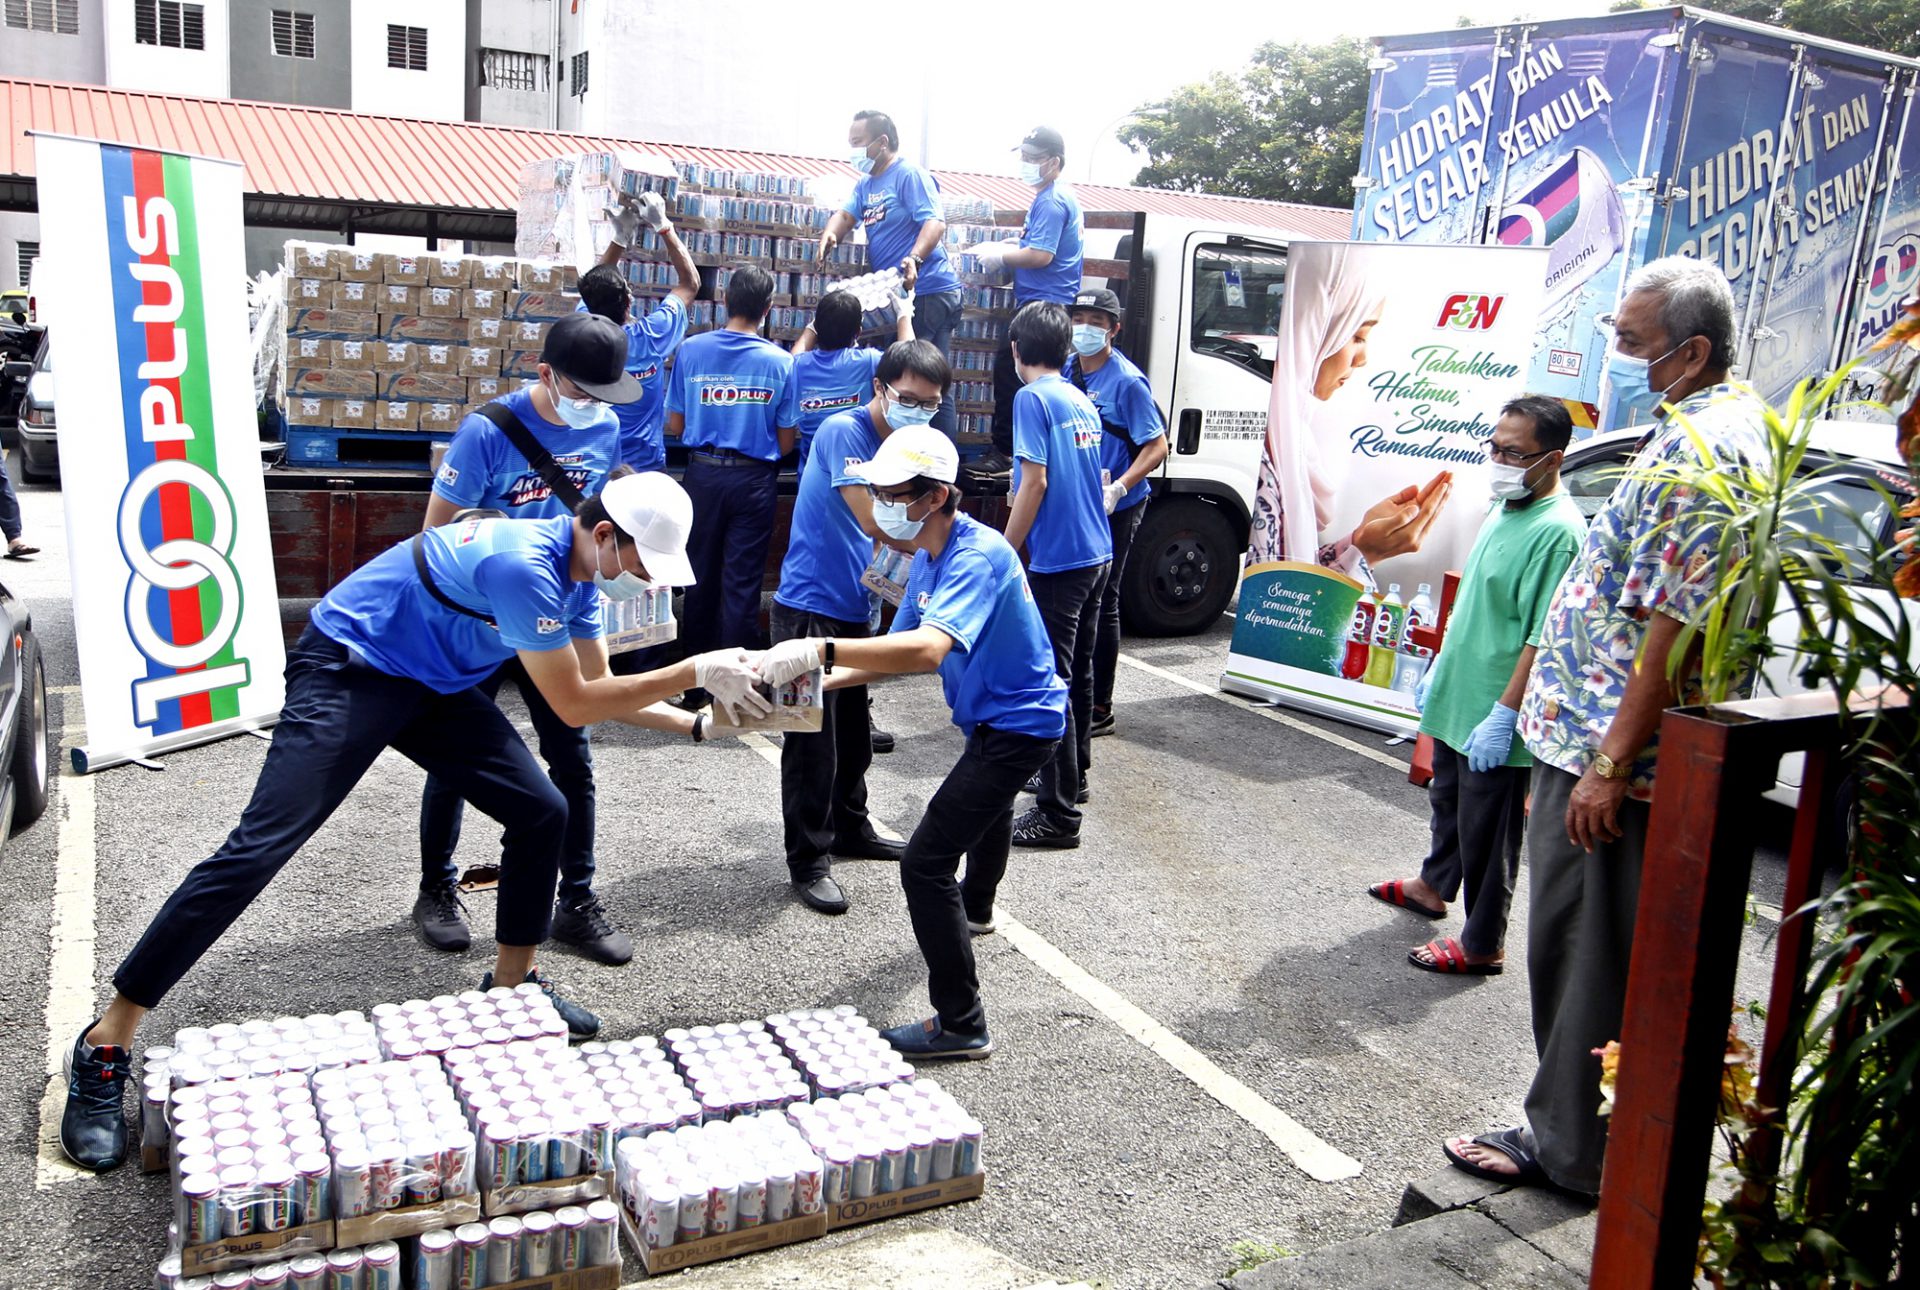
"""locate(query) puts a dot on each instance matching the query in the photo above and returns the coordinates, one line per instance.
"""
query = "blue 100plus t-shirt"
(828, 550)
(650, 342)
(831, 381)
(1054, 425)
(1122, 397)
(891, 207)
(514, 570)
(1053, 224)
(999, 672)
(483, 468)
(735, 392)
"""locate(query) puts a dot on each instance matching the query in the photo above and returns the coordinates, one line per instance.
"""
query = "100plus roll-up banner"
(142, 283)
(1392, 365)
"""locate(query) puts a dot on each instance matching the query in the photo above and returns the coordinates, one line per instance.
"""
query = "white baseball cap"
(653, 510)
(904, 454)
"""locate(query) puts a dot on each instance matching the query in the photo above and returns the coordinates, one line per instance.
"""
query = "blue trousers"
(338, 716)
(733, 508)
(569, 756)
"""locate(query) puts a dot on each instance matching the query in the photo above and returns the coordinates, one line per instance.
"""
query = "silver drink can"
(661, 1220)
(694, 1204)
(236, 1201)
(346, 1270)
(274, 1209)
(536, 1244)
(382, 1266)
(433, 1262)
(503, 1250)
(569, 1239)
(750, 1208)
(779, 1197)
(200, 1220)
(470, 1257)
(600, 1248)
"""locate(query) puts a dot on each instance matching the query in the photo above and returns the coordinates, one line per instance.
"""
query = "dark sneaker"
(823, 894)
(1033, 783)
(581, 1024)
(585, 926)
(984, 926)
(1080, 798)
(994, 466)
(866, 846)
(927, 1041)
(1037, 829)
(93, 1128)
(882, 741)
(1102, 723)
(441, 917)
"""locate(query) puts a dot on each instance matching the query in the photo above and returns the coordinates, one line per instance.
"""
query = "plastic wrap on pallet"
(718, 1178)
(559, 213)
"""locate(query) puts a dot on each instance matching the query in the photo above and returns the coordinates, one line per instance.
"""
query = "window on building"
(579, 86)
(170, 23)
(292, 34)
(29, 252)
(60, 17)
(509, 69)
(407, 47)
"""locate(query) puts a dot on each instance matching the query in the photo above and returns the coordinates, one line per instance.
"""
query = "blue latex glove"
(1425, 684)
(1491, 740)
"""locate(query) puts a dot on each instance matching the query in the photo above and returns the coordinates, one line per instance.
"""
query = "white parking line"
(70, 1001)
(1270, 713)
(1313, 1157)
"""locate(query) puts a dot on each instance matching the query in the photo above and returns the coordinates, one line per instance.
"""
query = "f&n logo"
(1470, 313)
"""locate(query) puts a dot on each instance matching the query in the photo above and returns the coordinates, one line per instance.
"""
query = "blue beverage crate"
(361, 449)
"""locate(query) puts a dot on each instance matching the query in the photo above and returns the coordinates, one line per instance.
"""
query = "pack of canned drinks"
(981, 329)
(371, 1267)
(544, 1126)
(642, 1086)
(398, 1137)
(248, 1157)
(889, 1139)
(746, 181)
(513, 1248)
(796, 706)
(886, 574)
(959, 209)
(437, 1026)
(645, 619)
(717, 1178)
(837, 1050)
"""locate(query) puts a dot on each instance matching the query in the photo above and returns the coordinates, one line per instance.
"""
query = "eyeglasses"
(1496, 453)
(922, 405)
(893, 499)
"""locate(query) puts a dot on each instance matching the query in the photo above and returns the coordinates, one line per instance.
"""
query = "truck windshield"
(1236, 304)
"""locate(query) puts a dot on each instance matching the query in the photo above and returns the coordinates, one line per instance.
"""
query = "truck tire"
(1182, 568)
(31, 761)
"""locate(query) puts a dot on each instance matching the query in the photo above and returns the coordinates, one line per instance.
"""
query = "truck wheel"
(30, 758)
(1181, 570)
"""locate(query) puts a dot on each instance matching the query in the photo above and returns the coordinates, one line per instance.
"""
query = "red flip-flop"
(1450, 960)
(1394, 892)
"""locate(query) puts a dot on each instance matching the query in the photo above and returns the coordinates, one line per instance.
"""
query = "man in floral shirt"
(1592, 709)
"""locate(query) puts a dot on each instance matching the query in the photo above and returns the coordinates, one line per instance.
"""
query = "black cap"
(1046, 140)
(591, 351)
(1097, 298)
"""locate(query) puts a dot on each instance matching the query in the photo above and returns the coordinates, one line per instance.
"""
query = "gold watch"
(1607, 768)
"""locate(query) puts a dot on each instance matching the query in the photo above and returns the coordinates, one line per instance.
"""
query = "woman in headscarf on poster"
(1331, 310)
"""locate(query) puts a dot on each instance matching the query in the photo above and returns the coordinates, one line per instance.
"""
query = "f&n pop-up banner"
(142, 280)
(1393, 363)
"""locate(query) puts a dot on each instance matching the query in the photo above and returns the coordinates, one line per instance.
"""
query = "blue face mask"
(1030, 174)
(577, 413)
(1632, 399)
(624, 584)
(893, 521)
(860, 161)
(1088, 340)
(901, 417)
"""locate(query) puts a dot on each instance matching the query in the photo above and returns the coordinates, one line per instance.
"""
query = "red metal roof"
(322, 154)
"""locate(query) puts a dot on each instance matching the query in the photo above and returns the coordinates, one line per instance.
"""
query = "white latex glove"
(788, 660)
(991, 251)
(626, 223)
(653, 211)
(903, 303)
(1112, 494)
(728, 675)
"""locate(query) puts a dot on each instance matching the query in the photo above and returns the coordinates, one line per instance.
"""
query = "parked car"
(24, 750)
(38, 440)
(19, 345)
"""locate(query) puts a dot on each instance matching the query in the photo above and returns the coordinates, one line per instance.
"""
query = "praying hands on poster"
(1397, 525)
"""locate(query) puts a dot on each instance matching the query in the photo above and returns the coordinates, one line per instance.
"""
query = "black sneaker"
(1102, 723)
(882, 741)
(995, 465)
(1033, 783)
(929, 1041)
(93, 1127)
(581, 1024)
(1080, 798)
(585, 926)
(1037, 829)
(441, 916)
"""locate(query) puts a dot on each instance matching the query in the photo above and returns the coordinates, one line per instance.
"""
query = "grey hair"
(1695, 300)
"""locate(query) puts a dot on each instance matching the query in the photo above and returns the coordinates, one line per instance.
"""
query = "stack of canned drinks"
(958, 209)
(368, 1267)
(887, 574)
(538, 1112)
(645, 619)
(435, 1027)
(837, 1050)
(247, 1156)
(994, 329)
(284, 1045)
(515, 1247)
(716, 1178)
(642, 1086)
(797, 705)
(889, 1139)
(398, 1136)
(735, 1068)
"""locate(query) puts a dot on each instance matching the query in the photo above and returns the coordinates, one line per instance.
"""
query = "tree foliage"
(1890, 25)
(1287, 127)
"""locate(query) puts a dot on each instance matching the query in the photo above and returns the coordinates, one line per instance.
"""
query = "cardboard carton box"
(310, 293)
(484, 302)
(355, 295)
(485, 389)
(396, 298)
(521, 363)
(310, 351)
(407, 270)
(547, 275)
(548, 306)
(331, 324)
(310, 260)
(442, 358)
(353, 264)
(352, 353)
(442, 417)
(414, 327)
(395, 356)
(528, 335)
(486, 331)
(496, 271)
(423, 387)
(329, 382)
(353, 414)
(450, 270)
(307, 410)
(480, 360)
(392, 414)
(440, 302)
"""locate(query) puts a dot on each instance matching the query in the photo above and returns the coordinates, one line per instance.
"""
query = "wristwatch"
(827, 657)
(1607, 768)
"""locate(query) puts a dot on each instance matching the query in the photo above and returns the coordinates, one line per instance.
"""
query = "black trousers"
(1006, 384)
(733, 506)
(338, 716)
(1478, 823)
(1069, 604)
(1106, 650)
(970, 814)
(823, 777)
(568, 752)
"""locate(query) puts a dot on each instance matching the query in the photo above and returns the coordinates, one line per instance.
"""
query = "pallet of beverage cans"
(545, 1128)
(572, 1248)
(893, 1150)
(375, 1267)
(403, 1154)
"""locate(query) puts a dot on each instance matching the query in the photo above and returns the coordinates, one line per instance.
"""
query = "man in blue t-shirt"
(832, 374)
(393, 658)
(485, 468)
(898, 205)
(1058, 513)
(733, 403)
(651, 340)
(1132, 446)
(823, 776)
(1046, 264)
(967, 614)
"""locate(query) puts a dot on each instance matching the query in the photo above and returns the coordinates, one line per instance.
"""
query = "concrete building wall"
(15, 228)
(51, 56)
(205, 72)
(439, 92)
(523, 27)
(325, 80)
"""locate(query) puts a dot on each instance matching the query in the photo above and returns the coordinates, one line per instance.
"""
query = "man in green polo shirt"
(1470, 698)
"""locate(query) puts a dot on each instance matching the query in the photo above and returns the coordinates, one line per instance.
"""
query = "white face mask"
(893, 521)
(1509, 483)
(577, 413)
(1030, 174)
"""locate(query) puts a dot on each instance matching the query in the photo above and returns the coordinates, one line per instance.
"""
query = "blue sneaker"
(93, 1127)
(581, 1024)
(928, 1041)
